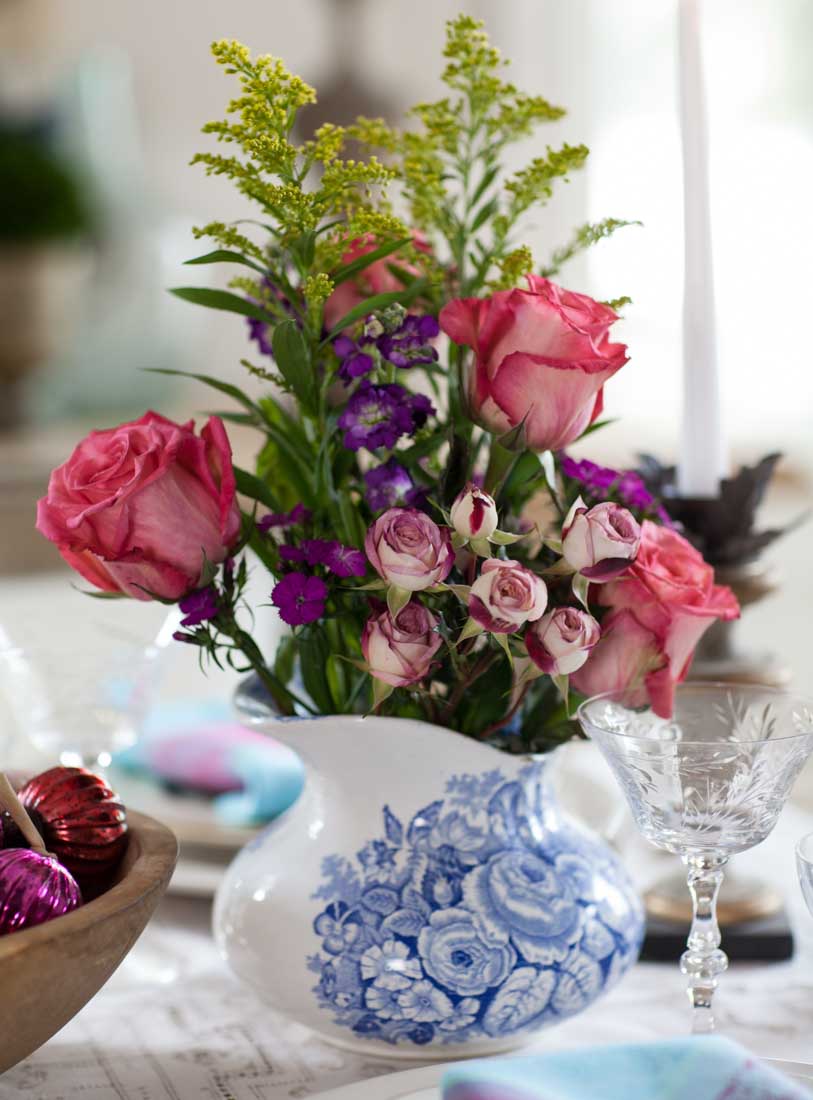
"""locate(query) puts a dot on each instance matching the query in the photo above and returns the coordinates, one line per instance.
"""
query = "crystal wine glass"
(79, 706)
(804, 865)
(705, 784)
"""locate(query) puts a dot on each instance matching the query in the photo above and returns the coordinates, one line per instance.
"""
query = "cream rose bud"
(399, 650)
(506, 595)
(408, 550)
(560, 642)
(600, 542)
(474, 513)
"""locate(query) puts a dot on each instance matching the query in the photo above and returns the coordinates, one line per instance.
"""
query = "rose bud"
(600, 542)
(408, 549)
(541, 358)
(474, 513)
(505, 596)
(560, 642)
(142, 508)
(399, 650)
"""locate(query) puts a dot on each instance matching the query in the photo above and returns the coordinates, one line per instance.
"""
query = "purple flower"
(291, 553)
(345, 561)
(410, 345)
(299, 598)
(355, 362)
(377, 416)
(602, 482)
(316, 551)
(198, 607)
(262, 331)
(298, 514)
(388, 485)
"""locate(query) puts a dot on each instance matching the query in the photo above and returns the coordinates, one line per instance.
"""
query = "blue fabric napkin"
(706, 1067)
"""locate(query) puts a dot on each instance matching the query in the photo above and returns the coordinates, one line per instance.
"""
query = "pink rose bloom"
(542, 356)
(399, 650)
(600, 542)
(474, 513)
(506, 595)
(375, 279)
(560, 642)
(136, 508)
(408, 549)
(659, 611)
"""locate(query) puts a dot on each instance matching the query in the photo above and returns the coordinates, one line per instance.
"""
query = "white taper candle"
(702, 458)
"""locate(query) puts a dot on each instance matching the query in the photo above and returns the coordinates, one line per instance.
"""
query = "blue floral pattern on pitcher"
(479, 918)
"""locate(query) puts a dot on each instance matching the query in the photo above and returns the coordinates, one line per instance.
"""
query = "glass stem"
(703, 961)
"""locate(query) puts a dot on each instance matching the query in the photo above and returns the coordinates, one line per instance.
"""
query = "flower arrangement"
(433, 548)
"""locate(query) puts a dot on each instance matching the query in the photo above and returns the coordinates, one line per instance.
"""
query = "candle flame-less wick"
(19, 815)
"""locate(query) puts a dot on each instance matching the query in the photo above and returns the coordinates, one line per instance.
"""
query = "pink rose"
(474, 513)
(560, 642)
(375, 279)
(408, 549)
(399, 650)
(542, 356)
(138, 508)
(506, 595)
(659, 610)
(600, 542)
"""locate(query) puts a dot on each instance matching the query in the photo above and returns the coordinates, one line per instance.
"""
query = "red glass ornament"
(33, 889)
(80, 819)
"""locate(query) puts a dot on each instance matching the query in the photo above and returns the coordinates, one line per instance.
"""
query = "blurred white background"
(143, 76)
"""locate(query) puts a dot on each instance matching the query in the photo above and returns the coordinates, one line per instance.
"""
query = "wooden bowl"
(49, 972)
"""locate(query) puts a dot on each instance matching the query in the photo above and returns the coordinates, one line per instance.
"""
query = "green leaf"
(381, 691)
(483, 214)
(292, 357)
(100, 594)
(347, 271)
(378, 301)
(488, 178)
(481, 547)
(502, 642)
(470, 630)
(215, 383)
(597, 425)
(225, 256)
(397, 598)
(222, 299)
(581, 586)
(563, 687)
(505, 538)
(285, 660)
(252, 487)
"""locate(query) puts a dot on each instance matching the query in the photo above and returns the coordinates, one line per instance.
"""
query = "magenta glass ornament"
(33, 889)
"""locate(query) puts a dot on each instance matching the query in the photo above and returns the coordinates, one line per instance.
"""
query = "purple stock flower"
(298, 514)
(409, 346)
(200, 606)
(377, 416)
(388, 485)
(355, 361)
(261, 331)
(299, 598)
(601, 482)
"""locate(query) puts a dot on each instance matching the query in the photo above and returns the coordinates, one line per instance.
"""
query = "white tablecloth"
(174, 1024)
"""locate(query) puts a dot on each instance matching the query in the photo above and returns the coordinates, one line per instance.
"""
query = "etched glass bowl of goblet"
(804, 865)
(79, 706)
(705, 784)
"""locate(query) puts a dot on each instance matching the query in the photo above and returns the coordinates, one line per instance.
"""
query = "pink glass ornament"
(33, 889)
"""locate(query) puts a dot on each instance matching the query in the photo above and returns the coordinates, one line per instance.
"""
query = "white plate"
(424, 1083)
